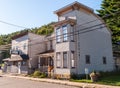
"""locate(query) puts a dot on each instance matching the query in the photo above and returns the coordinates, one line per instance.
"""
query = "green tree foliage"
(43, 30)
(111, 7)
(6, 39)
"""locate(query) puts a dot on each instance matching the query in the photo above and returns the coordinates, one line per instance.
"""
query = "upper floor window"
(17, 47)
(64, 31)
(24, 46)
(58, 35)
(72, 34)
(51, 46)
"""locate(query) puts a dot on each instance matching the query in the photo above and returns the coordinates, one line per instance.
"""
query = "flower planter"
(94, 78)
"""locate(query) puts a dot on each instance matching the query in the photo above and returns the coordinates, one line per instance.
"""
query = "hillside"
(43, 30)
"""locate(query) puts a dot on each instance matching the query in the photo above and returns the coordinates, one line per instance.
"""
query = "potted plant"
(94, 76)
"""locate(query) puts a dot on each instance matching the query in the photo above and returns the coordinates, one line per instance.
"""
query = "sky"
(33, 13)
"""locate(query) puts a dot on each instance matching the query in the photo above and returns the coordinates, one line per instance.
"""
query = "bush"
(36, 74)
(77, 76)
(43, 75)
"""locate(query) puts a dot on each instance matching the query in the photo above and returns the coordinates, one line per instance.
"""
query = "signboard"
(86, 71)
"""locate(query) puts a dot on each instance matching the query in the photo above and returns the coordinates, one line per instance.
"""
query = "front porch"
(16, 64)
(46, 62)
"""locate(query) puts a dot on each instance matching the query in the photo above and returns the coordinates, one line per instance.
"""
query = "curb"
(63, 82)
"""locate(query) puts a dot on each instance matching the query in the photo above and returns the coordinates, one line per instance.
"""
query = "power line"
(101, 25)
(70, 35)
(84, 30)
(12, 24)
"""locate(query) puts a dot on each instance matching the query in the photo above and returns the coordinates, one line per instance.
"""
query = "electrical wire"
(12, 24)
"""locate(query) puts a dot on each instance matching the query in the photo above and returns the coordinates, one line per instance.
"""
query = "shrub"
(43, 75)
(77, 76)
(36, 74)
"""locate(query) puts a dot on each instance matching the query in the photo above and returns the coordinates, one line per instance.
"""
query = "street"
(6, 82)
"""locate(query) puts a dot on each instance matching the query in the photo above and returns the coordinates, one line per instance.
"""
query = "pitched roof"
(71, 6)
(19, 35)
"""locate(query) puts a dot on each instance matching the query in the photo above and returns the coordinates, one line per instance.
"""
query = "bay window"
(64, 59)
(72, 59)
(58, 32)
(58, 60)
(64, 31)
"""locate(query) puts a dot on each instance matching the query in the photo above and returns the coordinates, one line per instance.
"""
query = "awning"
(49, 53)
(6, 59)
(17, 58)
(9, 59)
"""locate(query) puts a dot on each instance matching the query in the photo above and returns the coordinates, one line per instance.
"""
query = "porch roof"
(6, 59)
(17, 58)
(49, 53)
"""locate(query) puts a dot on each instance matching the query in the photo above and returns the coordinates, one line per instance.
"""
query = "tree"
(111, 7)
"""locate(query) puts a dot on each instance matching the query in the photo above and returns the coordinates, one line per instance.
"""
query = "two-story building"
(83, 41)
(24, 50)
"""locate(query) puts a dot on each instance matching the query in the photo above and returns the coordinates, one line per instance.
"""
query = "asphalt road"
(6, 82)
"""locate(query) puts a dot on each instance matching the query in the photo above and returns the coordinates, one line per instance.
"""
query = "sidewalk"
(63, 82)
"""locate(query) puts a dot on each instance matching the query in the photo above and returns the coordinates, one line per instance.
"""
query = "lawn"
(110, 80)
(107, 80)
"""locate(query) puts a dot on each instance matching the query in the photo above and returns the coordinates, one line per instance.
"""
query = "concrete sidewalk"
(63, 82)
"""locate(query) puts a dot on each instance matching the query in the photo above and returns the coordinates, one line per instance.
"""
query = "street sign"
(86, 71)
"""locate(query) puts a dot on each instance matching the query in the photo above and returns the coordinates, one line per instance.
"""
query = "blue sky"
(33, 13)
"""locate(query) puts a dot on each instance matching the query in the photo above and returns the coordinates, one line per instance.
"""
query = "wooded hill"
(43, 30)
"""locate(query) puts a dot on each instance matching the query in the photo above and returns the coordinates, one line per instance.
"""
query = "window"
(72, 59)
(72, 34)
(24, 46)
(51, 47)
(64, 31)
(58, 60)
(87, 58)
(64, 59)
(23, 63)
(58, 35)
(17, 47)
(104, 60)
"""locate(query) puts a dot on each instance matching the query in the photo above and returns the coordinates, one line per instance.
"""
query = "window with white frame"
(58, 60)
(58, 32)
(64, 59)
(72, 59)
(65, 33)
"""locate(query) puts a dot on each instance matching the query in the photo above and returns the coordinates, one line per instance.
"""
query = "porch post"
(19, 67)
(39, 62)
